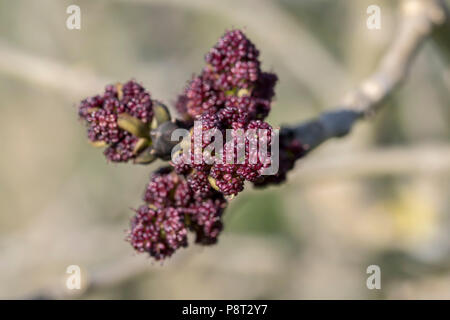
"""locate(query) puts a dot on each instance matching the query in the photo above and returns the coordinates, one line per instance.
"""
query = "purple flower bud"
(206, 220)
(227, 179)
(121, 151)
(236, 57)
(233, 70)
(230, 93)
(198, 182)
(160, 232)
(166, 188)
(290, 151)
(201, 97)
(101, 114)
(160, 226)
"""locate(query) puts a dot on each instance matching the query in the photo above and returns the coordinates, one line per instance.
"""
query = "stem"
(330, 124)
(418, 20)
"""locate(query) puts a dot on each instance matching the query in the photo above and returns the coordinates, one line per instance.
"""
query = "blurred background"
(380, 196)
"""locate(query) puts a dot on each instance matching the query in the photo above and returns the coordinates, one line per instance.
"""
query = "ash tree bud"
(157, 231)
(128, 123)
(159, 227)
(231, 92)
(119, 119)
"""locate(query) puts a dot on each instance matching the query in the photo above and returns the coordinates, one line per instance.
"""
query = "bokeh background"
(379, 196)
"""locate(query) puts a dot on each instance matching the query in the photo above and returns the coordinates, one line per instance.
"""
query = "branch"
(418, 19)
(329, 125)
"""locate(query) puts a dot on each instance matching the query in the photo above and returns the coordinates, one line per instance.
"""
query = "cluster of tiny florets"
(233, 62)
(158, 231)
(290, 150)
(231, 79)
(206, 219)
(230, 93)
(160, 226)
(101, 116)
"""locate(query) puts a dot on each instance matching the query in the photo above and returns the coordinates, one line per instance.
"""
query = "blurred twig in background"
(46, 72)
(418, 19)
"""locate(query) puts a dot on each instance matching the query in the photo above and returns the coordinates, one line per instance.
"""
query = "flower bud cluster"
(230, 93)
(290, 150)
(160, 226)
(102, 113)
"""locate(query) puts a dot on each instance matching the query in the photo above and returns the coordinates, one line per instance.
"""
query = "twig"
(46, 72)
(418, 18)
(330, 124)
(442, 36)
